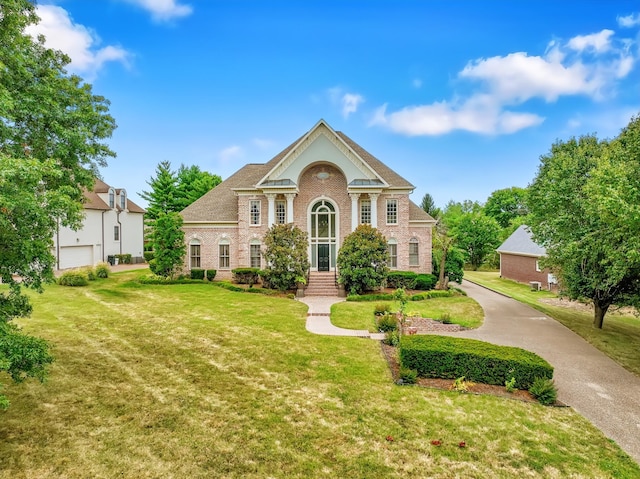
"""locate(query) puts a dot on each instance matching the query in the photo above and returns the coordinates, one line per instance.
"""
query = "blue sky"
(461, 97)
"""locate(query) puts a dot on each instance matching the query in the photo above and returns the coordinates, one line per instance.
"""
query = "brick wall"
(522, 269)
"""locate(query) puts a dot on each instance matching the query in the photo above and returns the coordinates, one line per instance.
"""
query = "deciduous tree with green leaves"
(362, 260)
(286, 254)
(478, 236)
(167, 238)
(585, 211)
(52, 141)
(506, 205)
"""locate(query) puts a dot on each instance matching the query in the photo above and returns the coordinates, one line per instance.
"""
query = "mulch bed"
(391, 354)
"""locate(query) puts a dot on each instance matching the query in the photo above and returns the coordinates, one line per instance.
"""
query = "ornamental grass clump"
(544, 390)
(73, 278)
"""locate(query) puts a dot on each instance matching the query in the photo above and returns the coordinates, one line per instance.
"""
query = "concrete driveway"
(587, 380)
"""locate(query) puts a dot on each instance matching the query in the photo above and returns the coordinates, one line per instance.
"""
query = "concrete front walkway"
(589, 381)
(319, 320)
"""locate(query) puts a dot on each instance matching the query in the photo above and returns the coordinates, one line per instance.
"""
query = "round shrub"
(211, 273)
(425, 282)
(73, 278)
(102, 270)
(408, 376)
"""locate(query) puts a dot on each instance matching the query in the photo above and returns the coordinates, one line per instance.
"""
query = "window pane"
(393, 255)
(195, 255)
(365, 212)
(414, 257)
(255, 255)
(224, 256)
(392, 212)
(281, 212)
(255, 212)
(116, 233)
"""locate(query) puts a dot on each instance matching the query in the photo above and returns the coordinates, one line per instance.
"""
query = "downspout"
(120, 227)
(102, 248)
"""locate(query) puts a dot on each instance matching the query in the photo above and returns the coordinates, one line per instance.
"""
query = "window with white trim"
(254, 206)
(392, 212)
(223, 254)
(123, 199)
(392, 248)
(112, 198)
(254, 254)
(116, 233)
(365, 212)
(538, 266)
(414, 252)
(281, 212)
(194, 254)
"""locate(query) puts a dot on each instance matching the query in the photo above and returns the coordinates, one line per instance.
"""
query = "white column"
(271, 215)
(374, 209)
(354, 210)
(290, 197)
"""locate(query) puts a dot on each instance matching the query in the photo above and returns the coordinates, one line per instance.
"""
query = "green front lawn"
(619, 338)
(359, 315)
(194, 381)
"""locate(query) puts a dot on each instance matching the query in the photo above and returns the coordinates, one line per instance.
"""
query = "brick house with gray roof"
(327, 185)
(520, 259)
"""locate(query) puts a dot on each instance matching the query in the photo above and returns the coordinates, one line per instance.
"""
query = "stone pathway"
(319, 318)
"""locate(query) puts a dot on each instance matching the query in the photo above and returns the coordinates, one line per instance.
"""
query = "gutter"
(120, 228)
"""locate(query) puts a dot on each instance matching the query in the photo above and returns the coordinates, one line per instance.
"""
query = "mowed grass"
(359, 315)
(193, 381)
(619, 338)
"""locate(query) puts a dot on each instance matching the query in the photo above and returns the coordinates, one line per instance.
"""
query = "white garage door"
(74, 256)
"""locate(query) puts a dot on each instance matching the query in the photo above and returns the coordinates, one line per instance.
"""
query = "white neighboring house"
(112, 225)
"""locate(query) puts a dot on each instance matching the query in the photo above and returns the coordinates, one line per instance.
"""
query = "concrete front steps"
(321, 283)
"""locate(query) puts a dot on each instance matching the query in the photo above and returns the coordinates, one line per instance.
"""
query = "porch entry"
(323, 235)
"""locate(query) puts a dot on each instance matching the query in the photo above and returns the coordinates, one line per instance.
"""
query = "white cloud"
(629, 21)
(163, 10)
(231, 153)
(588, 65)
(599, 42)
(262, 143)
(347, 102)
(75, 40)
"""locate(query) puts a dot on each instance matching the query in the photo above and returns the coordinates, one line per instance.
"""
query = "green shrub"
(124, 258)
(510, 385)
(211, 273)
(370, 297)
(362, 260)
(90, 273)
(408, 376)
(286, 255)
(449, 358)
(102, 270)
(73, 278)
(245, 275)
(387, 322)
(382, 309)
(197, 273)
(232, 287)
(401, 279)
(425, 282)
(544, 390)
(265, 276)
(392, 338)
(148, 256)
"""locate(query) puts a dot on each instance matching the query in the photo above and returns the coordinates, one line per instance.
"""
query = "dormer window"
(123, 199)
(112, 198)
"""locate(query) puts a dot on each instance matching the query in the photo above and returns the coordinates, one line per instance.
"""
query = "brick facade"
(523, 269)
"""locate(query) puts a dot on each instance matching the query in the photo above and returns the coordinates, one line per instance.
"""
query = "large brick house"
(327, 185)
(520, 260)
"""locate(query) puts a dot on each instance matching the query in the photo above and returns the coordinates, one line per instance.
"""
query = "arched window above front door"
(323, 235)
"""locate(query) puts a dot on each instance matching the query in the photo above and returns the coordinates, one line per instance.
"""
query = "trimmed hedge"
(197, 273)
(123, 258)
(211, 273)
(449, 358)
(425, 282)
(245, 275)
(389, 297)
(231, 287)
(401, 279)
(73, 278)
(149, 255)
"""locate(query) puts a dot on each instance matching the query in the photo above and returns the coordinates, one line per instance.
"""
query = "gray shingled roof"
(221, 204)
(94, 202)
(521, 242)
(418, 214)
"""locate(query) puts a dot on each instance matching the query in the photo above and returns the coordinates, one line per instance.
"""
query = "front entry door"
(323, 257)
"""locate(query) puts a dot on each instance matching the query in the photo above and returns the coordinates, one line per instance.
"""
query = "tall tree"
(478, 236)
(506, 205)
(52, 141)
(192, 183)
(584, 210)
(167, 238)
(163, 197)
(429, 206)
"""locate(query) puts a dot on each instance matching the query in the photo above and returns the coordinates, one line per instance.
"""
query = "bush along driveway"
(587, 380)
